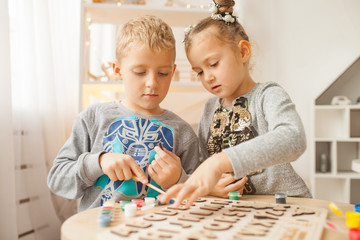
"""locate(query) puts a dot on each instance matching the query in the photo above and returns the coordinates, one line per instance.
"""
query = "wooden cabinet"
(337, 140)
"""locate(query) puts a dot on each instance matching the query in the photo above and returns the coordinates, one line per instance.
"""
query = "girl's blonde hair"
(230, 34)
(146, 30)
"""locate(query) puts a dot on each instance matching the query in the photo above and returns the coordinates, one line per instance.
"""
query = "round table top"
(83, 225)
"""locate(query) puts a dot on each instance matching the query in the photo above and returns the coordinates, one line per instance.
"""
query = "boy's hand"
(119, 166)
(226, 184)
(166, 168)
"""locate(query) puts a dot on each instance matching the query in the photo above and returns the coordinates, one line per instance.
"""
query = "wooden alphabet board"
(214, 218)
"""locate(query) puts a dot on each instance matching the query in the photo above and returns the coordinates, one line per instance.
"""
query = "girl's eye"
(214, 64)
(199, 73)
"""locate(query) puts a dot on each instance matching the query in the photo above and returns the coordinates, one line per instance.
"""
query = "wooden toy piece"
(201, 212)
(283, 209)
(217, 226)
(168, 230)
(231, 214)
(221, 202)
(243, 204)
(155, 236)
(182, 224)
(181, 207)
(201, 234)
(260, 206)
(275, 213)
(264, 223)
(300, 222)
(290, 233)
(201, 200)
(302, 211)
(187, 217)
(226, 219)
(123, 231)
(261, 215)
(211, 207)
(241, 214)
(252, 232)
(184, 202)
(153, 217)
(257, 228)
(167, 212)
(138, 224)
(239, 209)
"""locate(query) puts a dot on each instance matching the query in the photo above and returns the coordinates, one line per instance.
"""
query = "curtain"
(7, 173)
(44, 52)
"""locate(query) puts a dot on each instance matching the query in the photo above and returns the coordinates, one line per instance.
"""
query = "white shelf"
(337, 141)
(352, 139)
(339, 175)
(337, 107)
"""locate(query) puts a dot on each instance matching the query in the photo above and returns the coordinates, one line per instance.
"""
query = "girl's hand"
(226, 184)
(165, 170)
(119, 166)
(201, 182)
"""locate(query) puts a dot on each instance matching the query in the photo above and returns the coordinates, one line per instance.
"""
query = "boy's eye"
(139, 71)
(164, 74)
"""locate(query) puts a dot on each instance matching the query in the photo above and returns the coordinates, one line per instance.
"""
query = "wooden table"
(83, 225)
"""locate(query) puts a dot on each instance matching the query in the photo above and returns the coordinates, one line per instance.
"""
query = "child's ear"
(174, 68)
(245, 50)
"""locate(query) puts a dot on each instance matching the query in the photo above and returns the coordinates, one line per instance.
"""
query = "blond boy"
(115, 141)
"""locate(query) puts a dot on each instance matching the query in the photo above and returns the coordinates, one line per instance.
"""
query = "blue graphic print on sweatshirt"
(136, 137)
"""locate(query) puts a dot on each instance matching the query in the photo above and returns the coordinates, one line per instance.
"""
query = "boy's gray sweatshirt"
(111, 127)
(279, 140)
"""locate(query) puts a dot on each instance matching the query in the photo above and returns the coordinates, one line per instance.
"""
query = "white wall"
(7, 172)
(304, 46)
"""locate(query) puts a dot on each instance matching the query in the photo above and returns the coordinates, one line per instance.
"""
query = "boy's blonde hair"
(146, 30)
